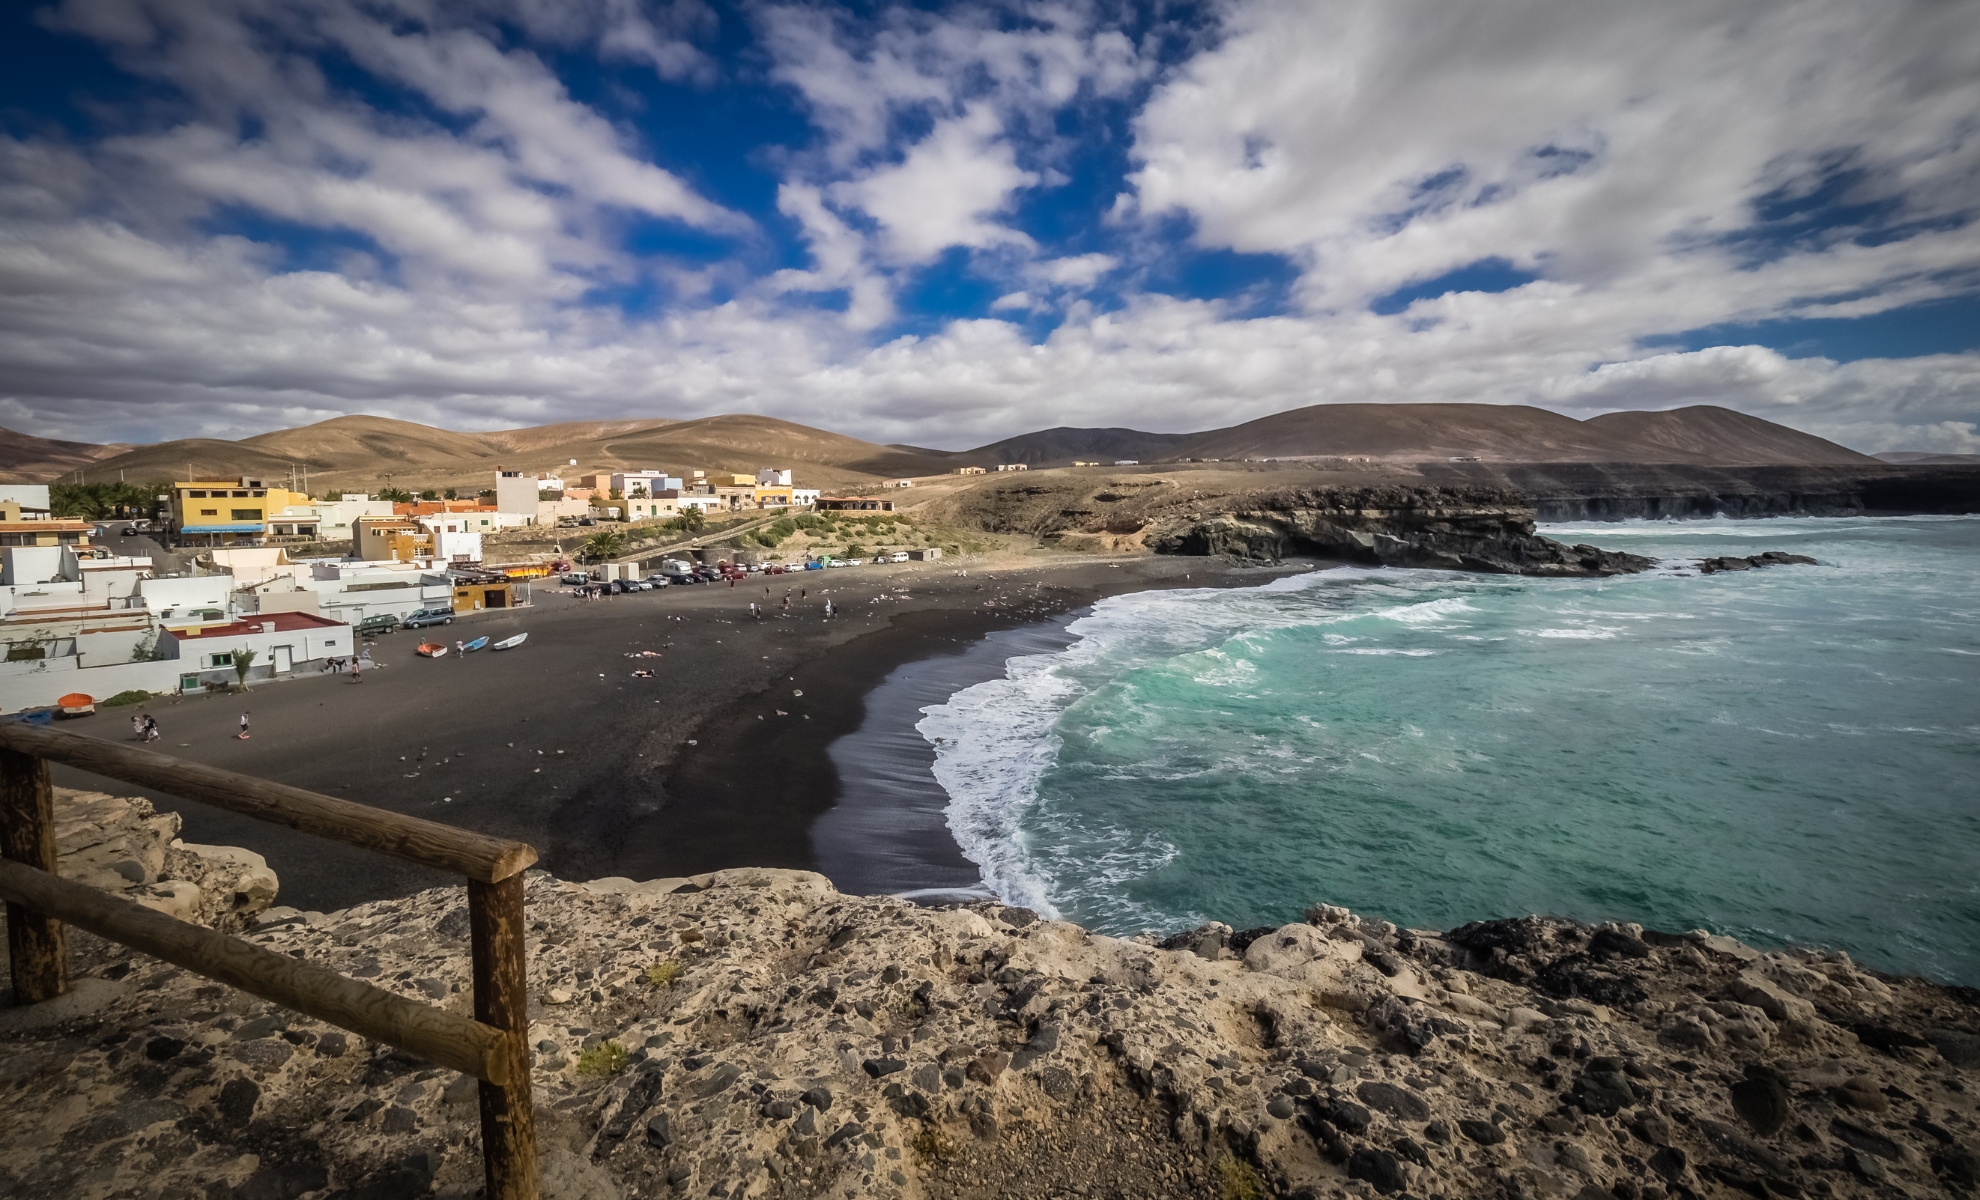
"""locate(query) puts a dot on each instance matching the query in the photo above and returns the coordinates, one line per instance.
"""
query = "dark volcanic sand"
(556, 744)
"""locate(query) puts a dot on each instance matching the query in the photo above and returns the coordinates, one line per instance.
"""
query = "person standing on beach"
(137, 726)
(243, 734)
(150, 728)
(460, 649)
(357, 670)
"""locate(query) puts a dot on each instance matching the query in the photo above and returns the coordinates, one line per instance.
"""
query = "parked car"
(586, 521)
(577, 578)
(814, 565)
(429, 616)
(897, 556)
(382, 623)
(657, 580)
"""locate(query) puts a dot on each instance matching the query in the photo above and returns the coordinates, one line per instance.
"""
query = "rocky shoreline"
(755, 1033)
(1437, 528)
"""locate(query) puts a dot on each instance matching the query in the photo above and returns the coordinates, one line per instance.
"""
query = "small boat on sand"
(510, 643)
(75, 704)
(476, 644)
(433, 649)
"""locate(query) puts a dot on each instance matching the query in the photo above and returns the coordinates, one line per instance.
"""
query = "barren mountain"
(25, 458)
(363, 453)
(1718, 437)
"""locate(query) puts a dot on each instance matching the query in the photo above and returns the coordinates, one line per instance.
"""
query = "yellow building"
(225, 512)
(773, 496)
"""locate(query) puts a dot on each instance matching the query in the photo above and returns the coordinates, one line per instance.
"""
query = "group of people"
(144, 727)
(352, 666)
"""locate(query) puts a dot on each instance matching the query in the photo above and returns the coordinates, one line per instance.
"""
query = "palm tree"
(606, 543)
(243, 661)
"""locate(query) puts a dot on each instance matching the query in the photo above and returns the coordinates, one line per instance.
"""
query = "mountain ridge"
(361, 453)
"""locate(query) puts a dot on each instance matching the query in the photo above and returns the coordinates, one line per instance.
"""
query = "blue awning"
(249, 527)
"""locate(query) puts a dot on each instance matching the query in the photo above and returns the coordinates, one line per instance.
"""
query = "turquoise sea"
(1789, 755)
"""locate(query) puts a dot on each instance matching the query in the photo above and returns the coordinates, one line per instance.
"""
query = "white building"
(804, 497)
(30, 496)
(351, 591)
(1013, 467)
(773, 477)
(549, 483)
(515, 492)
(455, 535)
(650, 482)
(326, 519)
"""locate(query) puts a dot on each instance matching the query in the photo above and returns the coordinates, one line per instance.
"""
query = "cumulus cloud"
(449, 237)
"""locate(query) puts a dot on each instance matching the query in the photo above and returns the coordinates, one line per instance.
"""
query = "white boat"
(510, 643)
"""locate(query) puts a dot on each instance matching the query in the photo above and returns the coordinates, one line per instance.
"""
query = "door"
(285, 659)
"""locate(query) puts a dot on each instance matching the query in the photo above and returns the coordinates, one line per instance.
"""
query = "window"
(260, 492)
(241, 493)
(196, 495)
(247, 514)
(209, 512)
(220, 660)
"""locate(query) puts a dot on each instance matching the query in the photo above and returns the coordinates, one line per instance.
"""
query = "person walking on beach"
(460, 649)
(137, 726)
(828, 609)
(150, 728)
(243, 734)
(357, 670)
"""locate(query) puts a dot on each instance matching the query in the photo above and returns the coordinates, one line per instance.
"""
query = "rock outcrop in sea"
(1439, 528)
(755, 1033)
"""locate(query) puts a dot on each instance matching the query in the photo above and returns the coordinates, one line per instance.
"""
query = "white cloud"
(486, 210)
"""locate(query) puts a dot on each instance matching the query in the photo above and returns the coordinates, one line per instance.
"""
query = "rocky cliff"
(757, 1034)
(1395, 526)
(1265, 516)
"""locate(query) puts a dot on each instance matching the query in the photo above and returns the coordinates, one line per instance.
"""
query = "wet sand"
(558, 745)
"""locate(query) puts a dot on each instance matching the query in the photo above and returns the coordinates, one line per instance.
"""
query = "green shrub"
(134, 696)
(606, 1058)
(1238, 1181)
(663, 974)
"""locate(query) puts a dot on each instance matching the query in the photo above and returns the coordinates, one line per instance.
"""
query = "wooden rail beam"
(37, 957)
(478, 1049)
(413, 839)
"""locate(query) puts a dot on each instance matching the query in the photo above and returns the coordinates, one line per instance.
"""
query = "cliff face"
(1448, 529)
(757, 1034)
(1248, 515)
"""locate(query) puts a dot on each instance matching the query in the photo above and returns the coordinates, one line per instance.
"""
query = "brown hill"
(25, 458)
(1707, 435)
(1496, 432)
(362, 453)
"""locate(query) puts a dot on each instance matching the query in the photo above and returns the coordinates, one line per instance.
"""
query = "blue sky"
(944, 224)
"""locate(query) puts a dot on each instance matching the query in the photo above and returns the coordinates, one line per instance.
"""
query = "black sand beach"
(558, 745)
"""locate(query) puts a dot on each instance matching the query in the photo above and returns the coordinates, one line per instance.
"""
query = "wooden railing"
(493, 1047)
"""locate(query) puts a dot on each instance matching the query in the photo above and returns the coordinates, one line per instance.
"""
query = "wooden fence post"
(35, 949)
(501, 999)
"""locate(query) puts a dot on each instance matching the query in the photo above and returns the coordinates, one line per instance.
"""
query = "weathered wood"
(36, 953)
(419, 1029)
(428, 843)
(501, 1000)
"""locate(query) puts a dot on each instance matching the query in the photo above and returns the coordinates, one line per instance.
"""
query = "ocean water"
(1789, 755)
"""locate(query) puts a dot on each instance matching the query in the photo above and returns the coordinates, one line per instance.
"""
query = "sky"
(943, 224)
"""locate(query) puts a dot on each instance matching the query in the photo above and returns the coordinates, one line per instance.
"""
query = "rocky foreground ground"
(755, 1033)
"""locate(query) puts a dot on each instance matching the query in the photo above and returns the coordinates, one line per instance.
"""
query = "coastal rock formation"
(1448, 529)
(754, 1033)
(1772, 558)
(119, 844)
